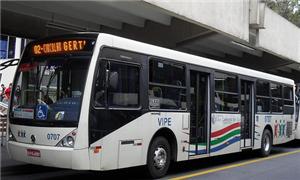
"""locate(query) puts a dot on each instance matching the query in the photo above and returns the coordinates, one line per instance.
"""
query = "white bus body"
(129, 144)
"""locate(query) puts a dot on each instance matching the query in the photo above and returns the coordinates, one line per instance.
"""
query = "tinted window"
(166, 73)
(263, 104)
(262, 88)
(280, 100)
(167, 88)
(277, 105)
(263, 99)
(161, 97)
(117, 85)
(123, 89)
(226, 94)
(276, 90)
(226, 102)
(288, 101)
(288, 92)
(225, 82)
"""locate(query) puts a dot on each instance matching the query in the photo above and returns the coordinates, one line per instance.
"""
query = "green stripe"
(223, 138)
(201, 144)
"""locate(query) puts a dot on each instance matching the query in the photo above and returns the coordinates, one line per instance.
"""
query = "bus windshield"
(49, 83)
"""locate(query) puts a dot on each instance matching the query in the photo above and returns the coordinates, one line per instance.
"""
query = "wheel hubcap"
(267, 143)
(160, 158)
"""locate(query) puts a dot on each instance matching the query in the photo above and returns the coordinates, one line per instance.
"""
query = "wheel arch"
(171, 138)
(269, 127)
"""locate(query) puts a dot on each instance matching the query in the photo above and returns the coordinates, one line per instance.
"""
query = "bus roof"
(135, 46)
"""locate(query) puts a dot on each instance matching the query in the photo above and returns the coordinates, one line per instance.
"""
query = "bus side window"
(167, 88)
(276, 101)
(226, 92)
(123, 89)
(117, 85)
(288, 100)
(263, 97)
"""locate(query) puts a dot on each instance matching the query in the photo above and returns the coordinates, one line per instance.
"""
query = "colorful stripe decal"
(226, 137)
(222, 146)
(199, 152)
(226, 129)
(221, 139)
(218, 148)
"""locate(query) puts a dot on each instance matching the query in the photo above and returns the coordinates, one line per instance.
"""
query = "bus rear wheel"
(266, 143)
(159, 156)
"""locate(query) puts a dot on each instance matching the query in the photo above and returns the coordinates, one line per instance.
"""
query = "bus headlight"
(68, 140)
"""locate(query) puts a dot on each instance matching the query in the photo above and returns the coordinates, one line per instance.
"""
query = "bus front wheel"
(159, 155)
(266, 143)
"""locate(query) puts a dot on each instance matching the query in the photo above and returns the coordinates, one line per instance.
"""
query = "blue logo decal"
(41, 112)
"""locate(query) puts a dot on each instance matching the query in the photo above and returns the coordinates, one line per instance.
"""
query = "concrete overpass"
(242, 32)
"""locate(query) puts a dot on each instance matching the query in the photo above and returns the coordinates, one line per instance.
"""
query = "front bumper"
(49, 156)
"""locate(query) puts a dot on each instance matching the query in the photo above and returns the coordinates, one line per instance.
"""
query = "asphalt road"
(284, 163)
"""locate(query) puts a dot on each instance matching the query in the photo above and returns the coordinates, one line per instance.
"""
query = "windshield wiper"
(52, 76)
(40, 81)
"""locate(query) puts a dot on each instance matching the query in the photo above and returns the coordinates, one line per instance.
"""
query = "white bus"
(99, 102)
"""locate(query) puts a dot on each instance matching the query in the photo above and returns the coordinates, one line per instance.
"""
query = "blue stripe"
(222, 146)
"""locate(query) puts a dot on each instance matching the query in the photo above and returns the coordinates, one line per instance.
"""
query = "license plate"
(33, 152)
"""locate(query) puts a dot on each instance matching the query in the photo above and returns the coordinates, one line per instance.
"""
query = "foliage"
(289, 9)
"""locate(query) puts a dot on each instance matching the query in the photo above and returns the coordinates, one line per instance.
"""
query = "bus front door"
(199, 113)
(247, 113)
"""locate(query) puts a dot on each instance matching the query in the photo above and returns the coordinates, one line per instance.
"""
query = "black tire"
(161, 147)
(266, 143)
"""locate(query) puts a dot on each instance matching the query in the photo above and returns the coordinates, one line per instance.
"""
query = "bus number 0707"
(53, 137)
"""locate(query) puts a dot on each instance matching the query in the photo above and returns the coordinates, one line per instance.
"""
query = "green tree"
(289, 9)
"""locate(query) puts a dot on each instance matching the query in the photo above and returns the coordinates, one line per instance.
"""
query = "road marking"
(234, 165)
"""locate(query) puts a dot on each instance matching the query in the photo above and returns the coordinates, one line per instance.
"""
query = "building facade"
(11, 48)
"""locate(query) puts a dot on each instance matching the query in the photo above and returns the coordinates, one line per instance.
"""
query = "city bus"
(94, 101)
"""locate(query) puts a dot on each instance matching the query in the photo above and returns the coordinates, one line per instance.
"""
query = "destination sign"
(56, 47)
